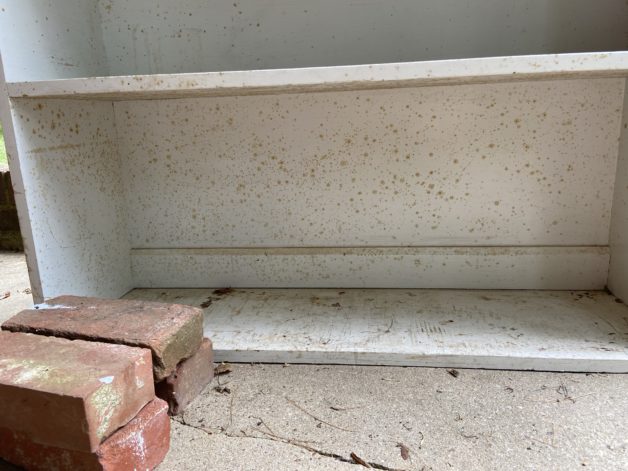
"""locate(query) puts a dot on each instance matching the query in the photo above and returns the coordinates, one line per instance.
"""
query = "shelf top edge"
(335, 78)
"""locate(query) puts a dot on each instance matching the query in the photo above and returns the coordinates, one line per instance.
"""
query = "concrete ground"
(291, 417)
(15, 288)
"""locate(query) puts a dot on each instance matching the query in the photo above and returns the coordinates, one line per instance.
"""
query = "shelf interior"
(528, 330)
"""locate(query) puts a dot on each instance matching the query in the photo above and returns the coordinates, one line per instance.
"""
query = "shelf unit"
(299, 151)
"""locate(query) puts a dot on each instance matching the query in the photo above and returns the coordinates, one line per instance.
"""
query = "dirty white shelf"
(529, 330)
(317, 79)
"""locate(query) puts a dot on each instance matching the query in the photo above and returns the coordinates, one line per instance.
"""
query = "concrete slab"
(14, 282)
(478, 420)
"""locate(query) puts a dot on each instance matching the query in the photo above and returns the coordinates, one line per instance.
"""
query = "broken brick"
(188, 379)
(70, 394)
(172, 332)
(141, 444)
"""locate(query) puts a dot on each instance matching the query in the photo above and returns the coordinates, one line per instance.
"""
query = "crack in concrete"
(271, 436)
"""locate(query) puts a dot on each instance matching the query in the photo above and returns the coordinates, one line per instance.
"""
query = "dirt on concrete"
(317, 416)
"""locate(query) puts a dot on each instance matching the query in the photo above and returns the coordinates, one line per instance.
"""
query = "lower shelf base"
(525, 330)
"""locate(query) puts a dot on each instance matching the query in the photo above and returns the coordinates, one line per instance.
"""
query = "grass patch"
(3, 152)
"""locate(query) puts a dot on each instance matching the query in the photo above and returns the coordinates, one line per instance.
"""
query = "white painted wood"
(51, 39)
(530, 330)
(70, 173)
(6, 119)
(147, 37)
(376, 267)
(618, 273)
(46, 39)
(491, 165)
(317, 79)
(504, 180)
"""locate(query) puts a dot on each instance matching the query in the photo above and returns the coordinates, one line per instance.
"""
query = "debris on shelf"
(454, 373)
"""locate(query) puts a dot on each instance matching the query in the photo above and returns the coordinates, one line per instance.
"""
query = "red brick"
(188, 379)
(70, 394)
(140, 445)
(172, 332)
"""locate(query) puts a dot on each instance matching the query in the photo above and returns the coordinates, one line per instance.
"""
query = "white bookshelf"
(375, 146)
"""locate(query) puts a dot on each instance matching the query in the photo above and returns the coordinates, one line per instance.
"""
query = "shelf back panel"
(50, 39)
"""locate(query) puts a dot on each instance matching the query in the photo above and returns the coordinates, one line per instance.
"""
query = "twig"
(317, 418)
(541, 442)
(339, 408)
(342, 409)
(327, 454)
(420, 442)
(231, 408)
(270, 435)
(198, 427)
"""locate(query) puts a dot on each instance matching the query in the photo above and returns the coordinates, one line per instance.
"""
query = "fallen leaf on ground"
(222, 369)
(359, 460)
(222, 389)
(207, 303)
(454, 373)
(405, 452)
(6, 295)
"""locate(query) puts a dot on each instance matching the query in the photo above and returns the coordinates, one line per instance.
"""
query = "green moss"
(4, 161)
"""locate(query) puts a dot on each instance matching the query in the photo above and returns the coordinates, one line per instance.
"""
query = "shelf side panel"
(618, 273)
(68, 159)
(10, 142)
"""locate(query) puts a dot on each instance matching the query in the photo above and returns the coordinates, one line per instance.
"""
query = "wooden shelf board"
(516, 329)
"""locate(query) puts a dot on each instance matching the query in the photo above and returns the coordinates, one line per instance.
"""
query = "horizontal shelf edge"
(374, 251)
(338, 78)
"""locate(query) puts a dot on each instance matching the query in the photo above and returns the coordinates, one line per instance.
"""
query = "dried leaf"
(223, 291)
(5, 295)
(222, 369)
(359, 460)
(222, 389)
(404, 450)
(454, 373)
(207, 303)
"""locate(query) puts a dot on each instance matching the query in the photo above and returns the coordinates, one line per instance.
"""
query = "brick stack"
(78, 379)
